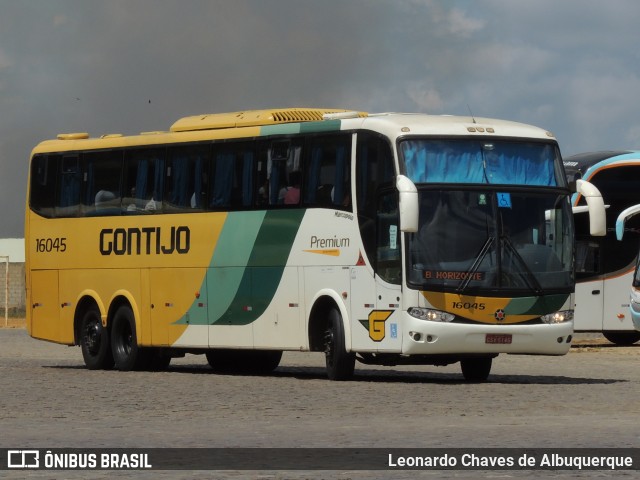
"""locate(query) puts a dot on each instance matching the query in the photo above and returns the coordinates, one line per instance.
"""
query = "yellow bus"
(383, 238)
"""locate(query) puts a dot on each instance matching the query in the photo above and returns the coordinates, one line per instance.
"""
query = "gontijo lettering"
(145, 241)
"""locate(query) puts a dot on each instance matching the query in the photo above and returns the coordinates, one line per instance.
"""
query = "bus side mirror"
(623, 217)
(595, 203)
(409, 209)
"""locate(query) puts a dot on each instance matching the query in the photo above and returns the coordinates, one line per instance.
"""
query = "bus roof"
(256, 123)
(577, 166)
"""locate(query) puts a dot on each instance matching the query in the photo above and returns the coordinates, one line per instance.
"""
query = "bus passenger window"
(185, 182)
(68, 204)
(143, 181)
(232, 182)
(102, 179)
(327, 181)
(587, 257)
(283, 161)
(43, 184)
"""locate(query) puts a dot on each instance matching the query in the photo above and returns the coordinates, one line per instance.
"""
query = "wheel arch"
(87, 299)
(124, 298)
(318, 319)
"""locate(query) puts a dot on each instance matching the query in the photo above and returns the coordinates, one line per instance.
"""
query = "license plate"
(502, 338)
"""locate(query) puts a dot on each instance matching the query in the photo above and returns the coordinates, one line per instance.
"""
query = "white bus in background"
(604, 265)
(634, 299)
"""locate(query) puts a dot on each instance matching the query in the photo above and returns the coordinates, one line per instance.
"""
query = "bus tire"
(158, 360)
(124, 342)
(94, 341)
(265, 361)
(340, 363)
(623, 338)
(244, 361)
(476, 369)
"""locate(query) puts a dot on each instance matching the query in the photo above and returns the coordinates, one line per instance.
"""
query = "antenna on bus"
(471, 113)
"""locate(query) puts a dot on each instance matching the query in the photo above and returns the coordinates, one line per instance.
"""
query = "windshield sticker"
(393, 237)
(504, 200)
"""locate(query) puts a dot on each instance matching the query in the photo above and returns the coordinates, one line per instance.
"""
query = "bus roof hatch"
(253, 118)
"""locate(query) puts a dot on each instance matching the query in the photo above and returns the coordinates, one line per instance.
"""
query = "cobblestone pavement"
(588, 398)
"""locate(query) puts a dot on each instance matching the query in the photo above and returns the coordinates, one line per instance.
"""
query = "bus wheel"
(265, 361)
(623, 338)
(157, 361)
(94, 341)
(476, 369)
(124, 342)
(244, 361)
(340, 363)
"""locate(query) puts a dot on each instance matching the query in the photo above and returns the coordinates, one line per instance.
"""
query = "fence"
(12, 288)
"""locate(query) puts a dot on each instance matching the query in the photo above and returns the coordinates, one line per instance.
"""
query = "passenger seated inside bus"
(104, 199)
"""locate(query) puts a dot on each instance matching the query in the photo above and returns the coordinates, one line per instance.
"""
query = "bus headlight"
(430, 314)
(558, 317)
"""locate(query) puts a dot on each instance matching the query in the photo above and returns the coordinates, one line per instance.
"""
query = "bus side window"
(43, 184)
(327, 169)
(282, 165)
(68, 199)
(102, 183)
(186, 178)
(143, 181)
(587, 257)
(233, 171)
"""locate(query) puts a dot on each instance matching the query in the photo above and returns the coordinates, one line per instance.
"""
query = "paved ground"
(588, 398)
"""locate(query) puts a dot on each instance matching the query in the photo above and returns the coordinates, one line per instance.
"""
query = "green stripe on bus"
(536, 305)
(324, 126)
(281, 129)
(246, 267)
(264, 271)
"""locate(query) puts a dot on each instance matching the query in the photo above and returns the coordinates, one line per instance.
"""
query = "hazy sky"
(107, 66)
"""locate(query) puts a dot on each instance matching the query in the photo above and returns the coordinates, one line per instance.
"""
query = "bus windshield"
(492, 241)
(482, 162)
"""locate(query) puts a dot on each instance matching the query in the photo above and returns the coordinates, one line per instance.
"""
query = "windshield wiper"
(525, 272)
(475, 266)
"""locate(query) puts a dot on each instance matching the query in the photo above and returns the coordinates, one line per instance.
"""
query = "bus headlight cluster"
(558, 317)
(430, 314)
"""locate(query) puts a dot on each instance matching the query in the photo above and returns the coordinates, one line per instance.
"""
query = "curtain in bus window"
(274, 182)
(247, 178)
(313, 175)
(148, 168)
(196, 198)
(519, 163)
(179, 180)
(69, 190)
(141, 178)
(339, 184)
(223, 180)
(89, 195)
(443, 162)
(479, 162)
